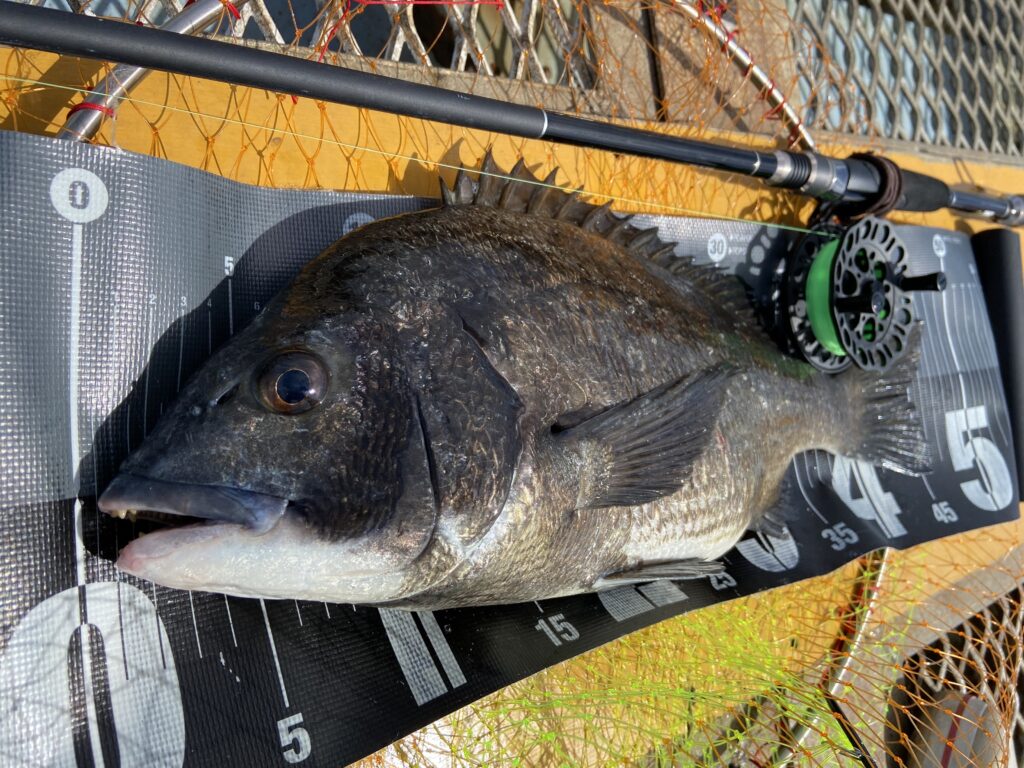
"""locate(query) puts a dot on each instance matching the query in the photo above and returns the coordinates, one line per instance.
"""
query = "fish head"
(298, 449)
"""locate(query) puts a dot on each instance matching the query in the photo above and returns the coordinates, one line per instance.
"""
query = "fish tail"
(886, 428)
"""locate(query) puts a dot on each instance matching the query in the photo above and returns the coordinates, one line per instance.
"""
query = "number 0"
(294, 737)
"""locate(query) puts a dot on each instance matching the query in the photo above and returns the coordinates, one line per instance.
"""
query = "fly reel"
(848, 297)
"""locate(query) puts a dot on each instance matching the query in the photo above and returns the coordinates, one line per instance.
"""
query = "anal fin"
(691, 568)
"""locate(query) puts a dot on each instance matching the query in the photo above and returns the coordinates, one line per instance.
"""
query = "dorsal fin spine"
(521, 191)
(542, 194)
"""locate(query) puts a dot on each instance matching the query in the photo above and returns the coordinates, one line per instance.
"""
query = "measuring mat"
(122, 273)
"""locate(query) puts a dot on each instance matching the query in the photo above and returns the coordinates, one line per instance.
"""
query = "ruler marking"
(181, 350)
(451, 667)
(624, 603)
(145, 386)
(90, 698)
(663, 593)
(987, 367)
(120, 623)
(76, 308)
(960, 378)
(414, 659)
(231, 310)
(800, 485)
(73, 436)
(273, 651)
(95, 471)
(159, 634)
(195, 624)
(932, 320)
(231, 621)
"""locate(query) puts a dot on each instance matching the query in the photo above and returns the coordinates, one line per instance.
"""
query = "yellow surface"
(641, 688)
(271, 139)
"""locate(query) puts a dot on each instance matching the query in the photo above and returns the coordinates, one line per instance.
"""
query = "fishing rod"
(851, 181)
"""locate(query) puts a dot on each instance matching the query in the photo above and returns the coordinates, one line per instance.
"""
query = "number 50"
(995, 488)
(294, 737)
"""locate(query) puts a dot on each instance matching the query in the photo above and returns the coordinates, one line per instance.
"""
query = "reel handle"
(871, 299)
(936, 281)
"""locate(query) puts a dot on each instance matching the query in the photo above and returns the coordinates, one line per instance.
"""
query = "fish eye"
(292, 382)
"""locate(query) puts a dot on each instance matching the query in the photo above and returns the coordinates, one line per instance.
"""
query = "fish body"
(513, 397)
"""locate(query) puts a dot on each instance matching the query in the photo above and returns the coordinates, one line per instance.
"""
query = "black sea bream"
(514, 396)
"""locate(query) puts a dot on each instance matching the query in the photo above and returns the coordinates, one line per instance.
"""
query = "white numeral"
(840, 535)
(559, 629)
(293, 737)
(718, 247)
(722, 580)
(857, 485)
(229, 265)
(944, 513)
(770, 552)
(994, 490)
(48, 708)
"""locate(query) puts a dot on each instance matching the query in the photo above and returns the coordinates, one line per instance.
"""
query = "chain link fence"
(936, 72)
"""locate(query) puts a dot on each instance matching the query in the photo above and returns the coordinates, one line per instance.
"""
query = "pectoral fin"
(643, 449)
(675, 569)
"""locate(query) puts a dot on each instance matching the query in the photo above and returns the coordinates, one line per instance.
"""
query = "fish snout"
(258, 512)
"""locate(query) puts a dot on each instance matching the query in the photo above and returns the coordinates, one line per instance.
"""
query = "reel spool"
(848, 298)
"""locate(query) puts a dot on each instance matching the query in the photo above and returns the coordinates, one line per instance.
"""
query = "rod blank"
(811, 174)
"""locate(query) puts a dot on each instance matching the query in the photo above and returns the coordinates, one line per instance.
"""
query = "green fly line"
(439, 164)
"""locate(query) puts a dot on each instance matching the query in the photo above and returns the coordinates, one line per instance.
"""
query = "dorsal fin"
(521, 192)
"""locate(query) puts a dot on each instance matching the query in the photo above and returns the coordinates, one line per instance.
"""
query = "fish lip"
(223, 504)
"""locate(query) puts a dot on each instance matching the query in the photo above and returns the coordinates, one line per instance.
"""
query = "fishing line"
(439, 164)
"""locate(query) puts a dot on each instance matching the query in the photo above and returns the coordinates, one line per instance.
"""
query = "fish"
(514, 396)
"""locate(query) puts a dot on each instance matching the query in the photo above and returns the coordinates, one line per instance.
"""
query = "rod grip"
(998, 255)
(922, 193)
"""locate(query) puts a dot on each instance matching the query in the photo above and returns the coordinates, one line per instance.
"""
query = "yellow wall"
(271, 139)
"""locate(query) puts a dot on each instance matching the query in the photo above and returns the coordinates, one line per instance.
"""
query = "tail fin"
(887, 429)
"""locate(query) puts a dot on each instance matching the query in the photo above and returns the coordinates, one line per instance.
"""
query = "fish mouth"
(176, 504)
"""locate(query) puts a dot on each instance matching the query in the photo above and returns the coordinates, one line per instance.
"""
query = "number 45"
(995, 488)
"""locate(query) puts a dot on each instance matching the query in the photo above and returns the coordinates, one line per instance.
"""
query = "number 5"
(564, 628)
(994, 490)
(294, 737)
